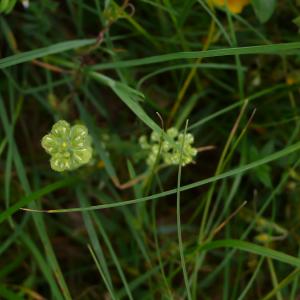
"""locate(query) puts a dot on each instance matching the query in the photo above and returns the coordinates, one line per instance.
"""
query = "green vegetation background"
(226, 226)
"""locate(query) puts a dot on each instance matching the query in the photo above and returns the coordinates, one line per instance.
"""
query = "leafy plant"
(146, 216)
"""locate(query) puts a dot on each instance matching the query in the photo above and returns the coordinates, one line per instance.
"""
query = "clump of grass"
(222, 224)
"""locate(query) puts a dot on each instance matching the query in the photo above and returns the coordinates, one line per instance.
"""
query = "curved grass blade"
(41, 52)
(264, 49)
(252, 248)
(35, 195)
(282, 153)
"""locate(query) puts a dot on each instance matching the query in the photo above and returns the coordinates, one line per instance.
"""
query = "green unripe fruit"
(69, 147)
(169, 152)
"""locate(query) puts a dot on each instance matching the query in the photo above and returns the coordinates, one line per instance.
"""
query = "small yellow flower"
(234, 6)
(293, 77)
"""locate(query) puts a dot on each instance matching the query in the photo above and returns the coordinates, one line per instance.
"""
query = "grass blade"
(282, 153)
(42, 52)
(264, 49)
(252, 248)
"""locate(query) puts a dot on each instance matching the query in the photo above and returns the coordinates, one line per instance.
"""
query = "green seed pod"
(172, 132)
(169, 152)
(143, 142)
(69, 147)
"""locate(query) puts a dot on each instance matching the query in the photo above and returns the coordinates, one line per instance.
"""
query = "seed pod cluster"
(169, 152)
(69, 147)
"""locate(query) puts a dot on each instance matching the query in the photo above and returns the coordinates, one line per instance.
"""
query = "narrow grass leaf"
(93, 236)
(287, 280)
(264, 49)
(43, 266)
(101, 272)
(251, 248)
(282, 153)
(35, 196)
(42, 52)
(178, 215)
